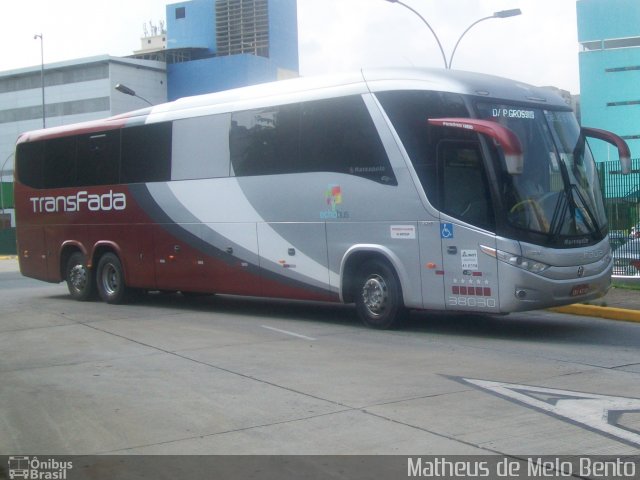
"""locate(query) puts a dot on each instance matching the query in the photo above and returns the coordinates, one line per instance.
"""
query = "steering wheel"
(533, 206)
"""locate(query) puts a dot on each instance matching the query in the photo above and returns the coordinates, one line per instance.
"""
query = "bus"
(393, 190)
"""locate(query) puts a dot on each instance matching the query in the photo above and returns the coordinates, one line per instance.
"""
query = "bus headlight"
(524, 263)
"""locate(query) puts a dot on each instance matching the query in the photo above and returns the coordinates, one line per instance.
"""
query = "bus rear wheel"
(110, 279)
(80, 279)
(378, 296)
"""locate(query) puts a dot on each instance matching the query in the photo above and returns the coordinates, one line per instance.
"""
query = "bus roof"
(373, 80)
(316, 88)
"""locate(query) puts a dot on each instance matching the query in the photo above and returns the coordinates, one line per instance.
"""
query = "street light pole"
(444, 57)
(41, 74)
(501, 14)
(122, 88)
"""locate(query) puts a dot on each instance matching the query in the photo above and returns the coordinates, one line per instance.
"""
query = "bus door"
(466, 223)
(432, 267)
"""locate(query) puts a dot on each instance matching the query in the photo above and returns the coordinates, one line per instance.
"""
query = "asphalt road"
(221, 375)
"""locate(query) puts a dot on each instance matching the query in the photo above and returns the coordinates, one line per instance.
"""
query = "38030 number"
(472, 302)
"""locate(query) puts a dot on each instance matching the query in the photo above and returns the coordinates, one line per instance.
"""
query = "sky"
(539, 47)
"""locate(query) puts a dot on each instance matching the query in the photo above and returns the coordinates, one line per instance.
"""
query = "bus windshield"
(558, 192)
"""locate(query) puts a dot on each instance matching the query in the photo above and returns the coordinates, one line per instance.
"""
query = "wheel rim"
(375, 295)
(110, 280)
(78, 277)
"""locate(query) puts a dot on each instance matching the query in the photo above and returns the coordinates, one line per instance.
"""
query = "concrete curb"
(610, 313)
(8, 257)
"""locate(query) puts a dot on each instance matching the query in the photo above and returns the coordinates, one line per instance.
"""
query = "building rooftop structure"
(214, 45)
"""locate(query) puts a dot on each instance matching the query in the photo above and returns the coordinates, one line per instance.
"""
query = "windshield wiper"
(559, 213)
(569, 189)
(585, 205)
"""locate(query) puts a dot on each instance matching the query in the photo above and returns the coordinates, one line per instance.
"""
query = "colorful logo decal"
(333, 198)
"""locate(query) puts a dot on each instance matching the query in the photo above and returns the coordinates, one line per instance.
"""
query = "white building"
(74, 91)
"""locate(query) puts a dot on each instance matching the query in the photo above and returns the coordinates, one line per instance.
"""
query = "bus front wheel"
(378, 296)
(80, 279)
(110, 279)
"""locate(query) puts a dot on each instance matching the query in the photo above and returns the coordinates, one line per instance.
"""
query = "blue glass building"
(215, 45)
(609, 36)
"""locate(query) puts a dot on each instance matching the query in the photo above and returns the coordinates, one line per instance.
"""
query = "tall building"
(215, 45)
(609, 36)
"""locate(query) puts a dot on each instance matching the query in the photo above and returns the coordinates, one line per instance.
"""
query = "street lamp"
(128, 91)
(39, 35)
(444, 57)
(501, 14)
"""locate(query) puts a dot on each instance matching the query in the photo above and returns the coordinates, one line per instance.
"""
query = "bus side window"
(333, 135)
(408, 112)
(98, 158)
(465, 190)
(30, 164)
(338, 135)
(146, 153)
(266, 141)
(60, 162)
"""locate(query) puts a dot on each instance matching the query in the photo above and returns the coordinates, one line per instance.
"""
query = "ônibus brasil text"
(77, 202)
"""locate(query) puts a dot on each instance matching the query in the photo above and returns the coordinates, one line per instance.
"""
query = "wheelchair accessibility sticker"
(446, 230)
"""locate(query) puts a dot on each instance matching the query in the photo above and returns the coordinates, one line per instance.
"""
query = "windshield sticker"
(513, 113)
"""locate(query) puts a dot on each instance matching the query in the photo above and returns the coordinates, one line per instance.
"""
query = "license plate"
(579, 290)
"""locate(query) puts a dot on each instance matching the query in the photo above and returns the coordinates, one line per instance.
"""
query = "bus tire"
(378, 296)
(110, 279)
(80, 279)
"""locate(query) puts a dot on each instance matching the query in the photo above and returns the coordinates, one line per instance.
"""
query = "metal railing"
(622, 203)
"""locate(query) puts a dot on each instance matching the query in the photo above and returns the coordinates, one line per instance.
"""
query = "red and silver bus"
(390, 189)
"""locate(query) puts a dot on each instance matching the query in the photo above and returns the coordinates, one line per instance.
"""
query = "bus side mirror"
(623, 149)
(504, 138)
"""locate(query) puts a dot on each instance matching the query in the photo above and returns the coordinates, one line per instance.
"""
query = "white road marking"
(286, 332)
(600, 413)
